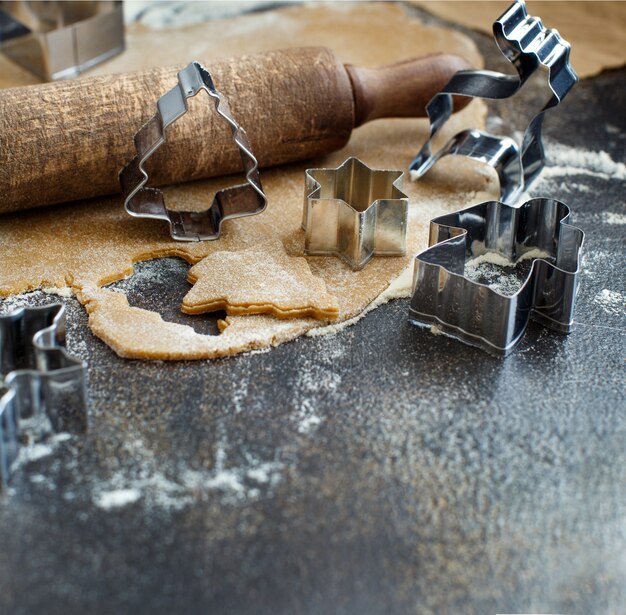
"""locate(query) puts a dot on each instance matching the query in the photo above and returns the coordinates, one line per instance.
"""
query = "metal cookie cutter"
(473, 312)
(60, 39)
(45, 385)
(354, 212)
(528, 45)
(234, 202)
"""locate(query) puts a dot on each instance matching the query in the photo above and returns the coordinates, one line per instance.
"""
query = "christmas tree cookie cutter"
(233, 202)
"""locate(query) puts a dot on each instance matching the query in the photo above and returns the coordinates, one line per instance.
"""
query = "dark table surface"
(380, 470)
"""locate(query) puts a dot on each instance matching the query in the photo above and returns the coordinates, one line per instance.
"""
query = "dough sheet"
(594, 28)
(89, 244)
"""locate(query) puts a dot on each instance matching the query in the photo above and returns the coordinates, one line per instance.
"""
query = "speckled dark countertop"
(381, 470)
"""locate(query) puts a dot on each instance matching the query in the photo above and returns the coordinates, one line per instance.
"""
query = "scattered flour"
(240, 396)
(564, 161)
(117, 498)
(146, 276)
(259, 351)
(35, 428)
(577, 187)
(613, 218)
(37, 478)
(36, 450)
(318, 378)
(23, 299)
(499, 273)
(65, 291)
(398, 289)
(497, 259)
(159, 15)
(611, 301)
(308, 420)
(146, 478)
(174, 490)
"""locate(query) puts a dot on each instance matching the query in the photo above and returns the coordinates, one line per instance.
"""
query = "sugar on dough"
(89, 244)
(263, 279)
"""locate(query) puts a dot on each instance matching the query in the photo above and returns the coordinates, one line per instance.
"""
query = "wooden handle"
(402, 89)
(68, 140)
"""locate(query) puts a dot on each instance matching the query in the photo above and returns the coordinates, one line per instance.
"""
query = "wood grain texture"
(371, 35)
(294, 104)
(66, 141)
(403, 89)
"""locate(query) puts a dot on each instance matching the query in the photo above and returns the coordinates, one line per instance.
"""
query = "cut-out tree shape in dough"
(260, 280)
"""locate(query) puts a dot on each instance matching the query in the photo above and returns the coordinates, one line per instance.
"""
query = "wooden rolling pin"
(69, 140)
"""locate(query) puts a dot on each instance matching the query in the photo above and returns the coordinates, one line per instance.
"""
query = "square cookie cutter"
(354, 212)
(58, 39)
(477, 314)
(45, 386)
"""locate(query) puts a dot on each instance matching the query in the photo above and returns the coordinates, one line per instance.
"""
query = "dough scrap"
(137, 333)
(595, 29)
(260, 280)
(89, 244)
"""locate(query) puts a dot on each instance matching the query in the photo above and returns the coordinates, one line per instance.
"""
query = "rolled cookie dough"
(89, 244)
(261, 280)
(595, 29)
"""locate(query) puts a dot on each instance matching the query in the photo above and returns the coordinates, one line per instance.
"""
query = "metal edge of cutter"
(354, 212)
(61, 40)
(45, 386)
(233, 202)
(477, 314)
(528, 45)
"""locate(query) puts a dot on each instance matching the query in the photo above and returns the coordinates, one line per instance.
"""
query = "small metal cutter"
(60, 39)
(44, 384)
(479, 315)
(354, 212)
(234, 202)
(528, 45)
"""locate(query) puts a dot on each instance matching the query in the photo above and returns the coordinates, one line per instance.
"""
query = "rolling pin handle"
(402, 89)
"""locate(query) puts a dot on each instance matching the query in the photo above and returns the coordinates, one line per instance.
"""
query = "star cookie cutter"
(354, 212)
(234, 202)
(45, 386)
(474, 312)
(528, 45)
